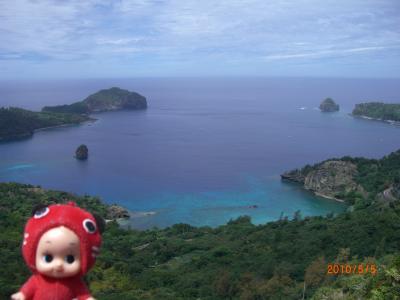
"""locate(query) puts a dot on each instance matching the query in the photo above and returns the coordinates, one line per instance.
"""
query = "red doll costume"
(84, 226)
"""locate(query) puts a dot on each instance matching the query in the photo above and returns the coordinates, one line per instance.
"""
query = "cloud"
(326, 53)
(9, 56)
(121, 41)
(201, 32)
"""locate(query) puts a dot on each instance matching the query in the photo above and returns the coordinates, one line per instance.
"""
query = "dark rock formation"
(294, 175)
(328, 105)
(117, 212)
(82, 152)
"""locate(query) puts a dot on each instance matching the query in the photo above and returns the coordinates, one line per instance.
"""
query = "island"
(82, 152)
(328, 105)
(18, 123)
(388, 112)
(351, 180)
(104, 100)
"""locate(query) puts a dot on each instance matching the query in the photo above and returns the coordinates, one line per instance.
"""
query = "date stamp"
(351, 269)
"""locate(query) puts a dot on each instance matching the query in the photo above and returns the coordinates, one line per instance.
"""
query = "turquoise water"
(205, 151)
(20, 166)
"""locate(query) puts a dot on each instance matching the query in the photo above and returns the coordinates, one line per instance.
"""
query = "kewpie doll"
(60, 245)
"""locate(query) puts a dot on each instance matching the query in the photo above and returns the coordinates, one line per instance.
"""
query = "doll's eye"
(41, 212)
(70, 259)
(89, 226)
(48, 258)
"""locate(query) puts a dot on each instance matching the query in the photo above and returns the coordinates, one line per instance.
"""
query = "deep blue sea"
(205, 151)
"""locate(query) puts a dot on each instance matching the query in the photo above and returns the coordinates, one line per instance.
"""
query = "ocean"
(206, 150)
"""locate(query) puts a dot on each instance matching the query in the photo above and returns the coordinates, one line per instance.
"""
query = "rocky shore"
(392, 122)
(331, 179)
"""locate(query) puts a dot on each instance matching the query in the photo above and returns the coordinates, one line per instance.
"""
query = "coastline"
(30, 134)
(392, 122)
(291, 181)
(14, 138)
(329, 197)
(89, 120)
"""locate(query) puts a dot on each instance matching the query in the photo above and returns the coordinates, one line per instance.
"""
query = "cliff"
(104, 100)
(355, 180)
(332, 178)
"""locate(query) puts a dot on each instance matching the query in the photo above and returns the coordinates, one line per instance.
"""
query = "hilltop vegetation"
(17, 123)
(378, 110)
(104, 100)
(278, 260)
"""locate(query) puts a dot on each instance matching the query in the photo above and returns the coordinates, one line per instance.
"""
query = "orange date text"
(351, 269)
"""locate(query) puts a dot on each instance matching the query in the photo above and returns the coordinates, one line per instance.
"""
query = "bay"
(205, 151)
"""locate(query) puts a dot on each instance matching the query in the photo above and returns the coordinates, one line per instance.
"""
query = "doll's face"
(58, 253)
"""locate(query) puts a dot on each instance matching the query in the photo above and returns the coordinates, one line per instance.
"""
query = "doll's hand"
(18, 296)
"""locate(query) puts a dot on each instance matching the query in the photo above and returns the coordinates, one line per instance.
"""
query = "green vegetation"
(104, 100)
(278, 260)
(378, 110)
(328, 105)
(373, 176)
(74, 108)
(17, 123)
(376, 175)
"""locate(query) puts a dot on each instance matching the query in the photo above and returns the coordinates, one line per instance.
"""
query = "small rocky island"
(378, 111)
(82, 152)
(104, 100)
(328, 105)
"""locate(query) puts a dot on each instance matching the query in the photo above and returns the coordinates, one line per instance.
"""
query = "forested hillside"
(17, 123)
(378, 110)
(235, 261)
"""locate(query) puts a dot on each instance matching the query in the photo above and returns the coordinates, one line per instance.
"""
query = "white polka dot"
(25, 243)
(26, 235)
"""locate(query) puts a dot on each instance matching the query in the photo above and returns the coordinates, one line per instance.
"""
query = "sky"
(155, 38)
